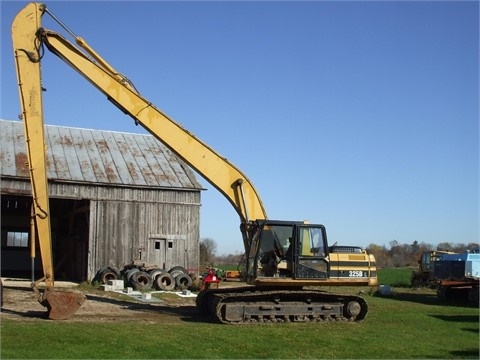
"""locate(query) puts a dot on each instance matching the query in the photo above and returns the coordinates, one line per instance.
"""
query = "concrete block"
(106, 287)
(116, 284)
(146, 296)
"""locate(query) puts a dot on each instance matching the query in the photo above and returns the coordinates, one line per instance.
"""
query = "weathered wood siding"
(125, 231)
(141, 201)
(126, 222)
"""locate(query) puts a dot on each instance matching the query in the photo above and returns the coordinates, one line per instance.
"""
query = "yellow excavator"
(286, 261)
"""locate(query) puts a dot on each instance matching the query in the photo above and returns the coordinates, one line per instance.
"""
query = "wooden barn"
(114, 198)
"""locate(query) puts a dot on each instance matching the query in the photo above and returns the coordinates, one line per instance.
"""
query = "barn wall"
(96, 192)
(122, 232)
(126, 223)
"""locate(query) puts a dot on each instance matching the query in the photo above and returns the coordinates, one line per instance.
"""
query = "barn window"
(170, 244)
(157, 245)
(17, 239)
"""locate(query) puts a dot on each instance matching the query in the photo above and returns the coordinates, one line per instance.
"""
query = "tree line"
(404, 255)
(391, 256)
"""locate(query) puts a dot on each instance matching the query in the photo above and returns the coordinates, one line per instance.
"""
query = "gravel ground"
(20, 303)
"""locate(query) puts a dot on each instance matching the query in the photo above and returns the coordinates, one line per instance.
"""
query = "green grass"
(397, 277)
(408, 324)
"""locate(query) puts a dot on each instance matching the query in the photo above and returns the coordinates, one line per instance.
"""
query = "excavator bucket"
(61, 305)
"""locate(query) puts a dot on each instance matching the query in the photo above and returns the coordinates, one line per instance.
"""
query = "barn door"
(167, 251)
(157, 252)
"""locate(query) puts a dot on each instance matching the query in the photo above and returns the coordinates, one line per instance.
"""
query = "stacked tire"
(162, 280)
(107, 273)
(142, 279)
(137, 278)
(182, 278)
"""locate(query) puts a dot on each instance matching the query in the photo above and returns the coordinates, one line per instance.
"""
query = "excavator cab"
(283, 249)
(296, 254)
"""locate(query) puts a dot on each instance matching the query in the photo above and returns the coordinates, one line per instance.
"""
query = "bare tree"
(208, 249)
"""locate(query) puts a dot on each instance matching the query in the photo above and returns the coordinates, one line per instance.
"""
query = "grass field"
(395, 277)
(409, 324)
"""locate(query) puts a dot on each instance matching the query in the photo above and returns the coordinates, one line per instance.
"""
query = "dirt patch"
(20, 303)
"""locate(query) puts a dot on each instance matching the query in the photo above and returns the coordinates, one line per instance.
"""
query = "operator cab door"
(310, 252)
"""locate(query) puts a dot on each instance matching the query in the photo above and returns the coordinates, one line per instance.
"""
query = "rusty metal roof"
(99, 157)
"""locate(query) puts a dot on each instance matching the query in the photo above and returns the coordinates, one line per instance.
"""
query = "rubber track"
(252, 305)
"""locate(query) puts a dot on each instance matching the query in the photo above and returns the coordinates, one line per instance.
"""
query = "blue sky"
(362, 115)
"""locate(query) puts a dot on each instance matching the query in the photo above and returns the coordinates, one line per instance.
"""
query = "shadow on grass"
(27, 314)
(458, 318)
(466, 354)
(425, 298)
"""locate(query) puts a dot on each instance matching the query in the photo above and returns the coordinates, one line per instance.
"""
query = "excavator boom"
(29, 39)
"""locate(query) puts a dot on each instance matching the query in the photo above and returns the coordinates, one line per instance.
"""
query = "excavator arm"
(217, 170)
(29, 41)
(29, 38)
(27, 60)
